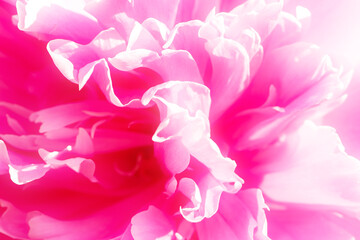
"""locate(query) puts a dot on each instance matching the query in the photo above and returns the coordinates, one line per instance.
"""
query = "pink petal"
(168, 66)
(60, 116)
(240, 216)
(157, 29)
(173, 154)
(162, 10)
(230, 64)
(260, 15)
(13, 221)
(84, 145)
(184, 36)
(151, 224)
(141, 38)
(4, 158)
(272, 103)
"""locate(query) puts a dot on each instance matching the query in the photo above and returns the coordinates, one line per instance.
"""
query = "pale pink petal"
(28, 173)
(71, 57)
(314, 170)
(162, 10)
(57, 19)
(195, 9)
(302, 224)
(288, 30)
(260, 15)
(129, 60)
(106, 10)
(345, 118)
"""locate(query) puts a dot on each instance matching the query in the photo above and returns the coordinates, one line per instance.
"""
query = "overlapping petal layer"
(172, 119)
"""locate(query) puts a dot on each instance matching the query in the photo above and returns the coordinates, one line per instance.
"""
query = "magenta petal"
(105, 223)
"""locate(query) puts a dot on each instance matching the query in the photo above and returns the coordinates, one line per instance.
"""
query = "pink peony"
(174, 119)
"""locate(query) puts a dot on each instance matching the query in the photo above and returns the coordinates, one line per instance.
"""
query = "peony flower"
(172, 120)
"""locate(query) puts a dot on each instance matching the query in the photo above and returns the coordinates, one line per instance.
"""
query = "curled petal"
(184, 107)
(71, 57)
